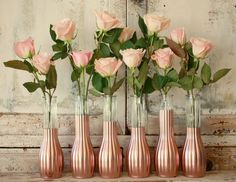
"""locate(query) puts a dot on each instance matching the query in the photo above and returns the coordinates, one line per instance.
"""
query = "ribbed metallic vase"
(138, 154)
(82, 155)
(166, 156)
(110, 156)
(51, 156)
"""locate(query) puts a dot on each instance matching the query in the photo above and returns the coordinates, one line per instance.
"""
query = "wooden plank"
(26, 160)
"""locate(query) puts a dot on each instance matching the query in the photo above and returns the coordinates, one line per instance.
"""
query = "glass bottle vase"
(51, 155)
(166, 155)
(193, 157)
(138, 153)
(82, 155)
(110, 155)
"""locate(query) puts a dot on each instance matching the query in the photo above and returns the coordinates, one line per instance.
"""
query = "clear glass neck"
(50, 112)
(110, 108)
(166, 103)
(193, 112)
(138, 112)
(81, 106)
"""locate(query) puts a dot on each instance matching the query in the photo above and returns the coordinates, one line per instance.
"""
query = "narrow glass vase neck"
(139, 112)
(110, 108)
(166, 103)
(50, 112)
(81, 105)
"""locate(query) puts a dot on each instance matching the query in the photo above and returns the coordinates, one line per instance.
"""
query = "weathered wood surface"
(219, 176)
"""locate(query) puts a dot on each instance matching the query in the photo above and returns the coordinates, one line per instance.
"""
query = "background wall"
(20, 119)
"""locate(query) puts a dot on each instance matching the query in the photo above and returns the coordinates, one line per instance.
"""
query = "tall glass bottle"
(138, 153)
(166, 156)
(110, 155)
(193, 157)
(82, 155)
(51, 155)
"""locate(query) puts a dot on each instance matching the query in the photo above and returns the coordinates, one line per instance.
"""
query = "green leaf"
(16, 64)
(59, 47)
(51, 78)
(175, 48)
(219, 74)
(143, 73)
(186, 82)
(173, 84)
(31, 68)
(112, 35)
(197, 82)
(127, 45)
(104, 51)
(173, 75)
(159, 81)
(141, 43)
(115, 47)
(206, 73)
(107, 91)
(137, 83)
(75, 75)
(158, 44)
(134, 38)
(98, 82)
(59, 55)
(31, 86)
(148, 88)
(182, 73)
(53, 35)
(117, 85)
(95, 92)
(142, 25)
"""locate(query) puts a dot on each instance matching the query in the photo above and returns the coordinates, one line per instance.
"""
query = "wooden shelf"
(221, 176)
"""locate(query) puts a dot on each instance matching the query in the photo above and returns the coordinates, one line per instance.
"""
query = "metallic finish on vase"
(193, 157)
(166, 156)
(110, 155)
(51, 155)
(138, 154)
(82, 155)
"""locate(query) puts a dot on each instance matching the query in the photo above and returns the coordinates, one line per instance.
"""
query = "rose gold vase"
(82, 155)
(193, 157)
(110, 155)
(166, 156)
(138, 153)
(51, 155)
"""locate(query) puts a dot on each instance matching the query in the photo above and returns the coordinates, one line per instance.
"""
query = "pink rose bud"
(132, 57)
(64, 29)
(107, 66)
(25, 49)
(155, 23)
(163, 57)
(201, 47)
(126, 34)
(106, 21)
(42, 62)
(178, 36)
(81, 58)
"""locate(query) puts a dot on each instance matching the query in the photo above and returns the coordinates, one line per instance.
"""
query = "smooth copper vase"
(166, 156)
(110, 155)
(138, 154)
(193, 157)
(51, 155)
(82, 155)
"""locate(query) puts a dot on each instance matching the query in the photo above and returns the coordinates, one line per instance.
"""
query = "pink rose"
(163, 57)
(64, 29)
(107, 66)
(126, 34)
(178, 36)
(201, 47)
(132, 57)
(155, 22)
(82, 58)
(42, 62)
(25, 49)
(106, 21)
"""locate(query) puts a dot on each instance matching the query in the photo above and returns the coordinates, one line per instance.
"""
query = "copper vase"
(138, 153)
(166, 156)
(110, 154)
(51, 155)
(193, 157)
(82, 155)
